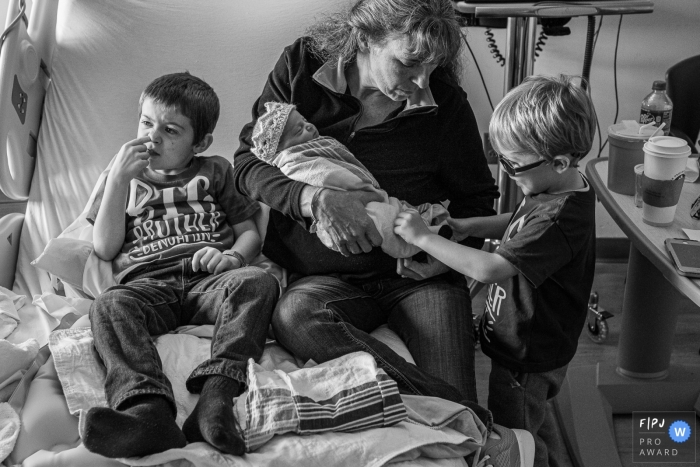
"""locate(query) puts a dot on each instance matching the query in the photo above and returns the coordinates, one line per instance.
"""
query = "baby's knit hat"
(268, 129)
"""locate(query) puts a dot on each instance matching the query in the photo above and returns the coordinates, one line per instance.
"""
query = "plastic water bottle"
(657, 107)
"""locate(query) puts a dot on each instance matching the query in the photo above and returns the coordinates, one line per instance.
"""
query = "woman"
(383, 80)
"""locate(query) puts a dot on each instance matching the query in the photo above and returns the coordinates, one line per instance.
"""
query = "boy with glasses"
(541, 275)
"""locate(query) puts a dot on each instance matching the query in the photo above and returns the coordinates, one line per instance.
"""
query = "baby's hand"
(461, 228)
(131, 159)
(410, 226)
(213, 261)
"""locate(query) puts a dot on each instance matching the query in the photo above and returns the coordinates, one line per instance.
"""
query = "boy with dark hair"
(541, 275)
(180, 238)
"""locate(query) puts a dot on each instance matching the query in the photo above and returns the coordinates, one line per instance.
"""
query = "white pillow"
(71, 256)
(74, 262)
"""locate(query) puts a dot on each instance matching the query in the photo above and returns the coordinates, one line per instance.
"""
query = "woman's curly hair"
(430, 25)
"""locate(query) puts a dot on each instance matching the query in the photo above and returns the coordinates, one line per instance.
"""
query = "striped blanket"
(347, 394)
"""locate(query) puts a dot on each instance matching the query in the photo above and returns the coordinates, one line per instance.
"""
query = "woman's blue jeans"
(125, 317)
(324, 317)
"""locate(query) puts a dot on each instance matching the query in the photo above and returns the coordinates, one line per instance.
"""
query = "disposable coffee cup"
(665, 158)
(626, 151)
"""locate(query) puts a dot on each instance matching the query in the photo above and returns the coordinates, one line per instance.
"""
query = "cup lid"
(629, 130)
(667, 145)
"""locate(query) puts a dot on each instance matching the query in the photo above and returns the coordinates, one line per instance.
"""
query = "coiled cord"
(495, 53)
(539, 45)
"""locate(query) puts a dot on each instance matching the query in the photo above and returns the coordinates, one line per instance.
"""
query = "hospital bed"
(71, 72)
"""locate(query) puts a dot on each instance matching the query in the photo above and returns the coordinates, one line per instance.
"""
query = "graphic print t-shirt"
(533, 320)
(172, 216)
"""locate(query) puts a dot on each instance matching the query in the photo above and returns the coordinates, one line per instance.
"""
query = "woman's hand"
(410, 226)
(213, 261)
(131, 159)
(406, 267)
(342, 223)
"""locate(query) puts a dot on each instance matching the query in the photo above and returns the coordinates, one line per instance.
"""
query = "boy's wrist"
(237, 256)
(119, 178)
(422, 241)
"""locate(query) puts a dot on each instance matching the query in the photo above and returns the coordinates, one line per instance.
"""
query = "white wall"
(649, 44)
(3, 7)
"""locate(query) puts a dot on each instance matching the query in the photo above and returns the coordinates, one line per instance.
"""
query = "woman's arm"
(343, 224)
(255, 178)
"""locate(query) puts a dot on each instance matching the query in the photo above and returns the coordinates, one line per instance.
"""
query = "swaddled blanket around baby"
(325, 162)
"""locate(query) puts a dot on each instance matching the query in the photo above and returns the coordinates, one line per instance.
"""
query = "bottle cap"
(659, 85)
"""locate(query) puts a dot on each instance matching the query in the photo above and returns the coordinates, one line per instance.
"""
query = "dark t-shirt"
(173, 216)
(533, 320)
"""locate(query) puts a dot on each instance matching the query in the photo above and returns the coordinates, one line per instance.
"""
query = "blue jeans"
(519, 400)
(324, 317)
(159, 299)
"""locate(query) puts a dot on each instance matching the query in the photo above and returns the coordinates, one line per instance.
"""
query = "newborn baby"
(282, 137)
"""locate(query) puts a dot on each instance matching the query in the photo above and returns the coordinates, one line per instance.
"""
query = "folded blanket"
(345, 394)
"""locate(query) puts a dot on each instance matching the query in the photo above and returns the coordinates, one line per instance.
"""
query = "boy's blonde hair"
(545, 116)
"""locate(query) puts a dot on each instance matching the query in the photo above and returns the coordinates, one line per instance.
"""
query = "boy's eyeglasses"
(511, 170)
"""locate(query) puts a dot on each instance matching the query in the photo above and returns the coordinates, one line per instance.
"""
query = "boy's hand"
(461, 228)
(132, 158)
(213, 261)
(410, 226)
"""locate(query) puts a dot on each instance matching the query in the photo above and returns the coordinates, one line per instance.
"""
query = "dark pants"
(125, 317)
(519, 400)
(323, 317)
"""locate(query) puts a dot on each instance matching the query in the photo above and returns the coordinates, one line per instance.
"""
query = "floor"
(609, 284)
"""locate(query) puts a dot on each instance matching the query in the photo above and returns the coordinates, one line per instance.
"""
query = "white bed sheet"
(438, 432)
